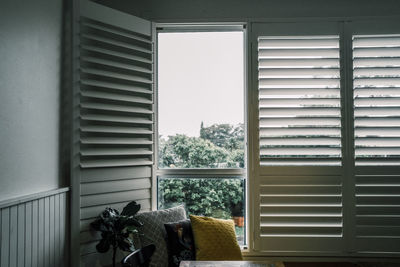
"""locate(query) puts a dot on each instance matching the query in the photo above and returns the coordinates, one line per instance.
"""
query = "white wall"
(247, 9)
(30, 62)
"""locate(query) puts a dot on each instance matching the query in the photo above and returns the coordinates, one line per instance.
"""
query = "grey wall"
(246, 9)
(30, 62)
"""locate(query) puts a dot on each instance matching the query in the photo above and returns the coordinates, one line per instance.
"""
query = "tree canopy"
(224, 135)
(181, 151)
(219, 145)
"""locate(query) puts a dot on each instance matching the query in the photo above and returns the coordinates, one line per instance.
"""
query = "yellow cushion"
(215, 239)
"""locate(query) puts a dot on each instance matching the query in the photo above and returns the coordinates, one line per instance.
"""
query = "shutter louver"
(116, 96)
(376, 82)
(299, 100)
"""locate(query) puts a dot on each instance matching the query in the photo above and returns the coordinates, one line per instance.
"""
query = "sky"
(200, 78)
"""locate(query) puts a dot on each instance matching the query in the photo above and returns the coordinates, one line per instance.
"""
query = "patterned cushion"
(215, 239)
(180, 242)
(153, 231)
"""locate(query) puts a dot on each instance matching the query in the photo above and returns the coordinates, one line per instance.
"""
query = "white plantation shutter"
(299, 100)
(376, 64)
(328, 177)
(376, 89)
(299, 94)
(113, 119)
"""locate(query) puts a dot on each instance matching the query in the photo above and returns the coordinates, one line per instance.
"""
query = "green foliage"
(116, 228)
(219, 198)
(224, 135)
(235, 158)
(181, 151)
(229, 138)
(219, 145)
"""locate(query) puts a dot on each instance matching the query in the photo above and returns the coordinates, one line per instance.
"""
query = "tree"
(181, 151)
(228, 137)
(224, 135)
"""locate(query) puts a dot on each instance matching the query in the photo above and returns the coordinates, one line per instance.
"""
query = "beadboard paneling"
(33, 230)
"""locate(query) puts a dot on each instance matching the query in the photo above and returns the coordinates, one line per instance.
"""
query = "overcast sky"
(200, 78)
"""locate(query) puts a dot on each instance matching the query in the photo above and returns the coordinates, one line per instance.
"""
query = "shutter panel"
(376, 74)
(300, 208)
(376, 64)
(299, 100)
(115, 115)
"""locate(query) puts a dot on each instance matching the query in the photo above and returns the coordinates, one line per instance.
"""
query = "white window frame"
(210, 173)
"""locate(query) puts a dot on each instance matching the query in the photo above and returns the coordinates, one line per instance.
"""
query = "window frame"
(211, 173)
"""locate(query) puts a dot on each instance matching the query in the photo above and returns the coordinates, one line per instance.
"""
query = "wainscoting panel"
(33, 230)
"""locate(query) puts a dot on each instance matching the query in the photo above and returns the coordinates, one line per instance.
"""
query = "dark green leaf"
(131, 229)
(133, 221)
(131, 209)
(126, 244)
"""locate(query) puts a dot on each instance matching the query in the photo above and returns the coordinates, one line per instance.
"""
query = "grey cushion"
(154, 231)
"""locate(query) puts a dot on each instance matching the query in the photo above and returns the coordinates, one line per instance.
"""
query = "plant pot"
(239, 221)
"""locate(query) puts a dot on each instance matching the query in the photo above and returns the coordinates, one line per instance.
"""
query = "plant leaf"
(131, 209)
(133, 221)
(126, 244)
(131, 229)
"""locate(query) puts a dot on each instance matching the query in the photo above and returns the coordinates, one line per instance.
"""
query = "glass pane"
(221, 198)
(200, 100)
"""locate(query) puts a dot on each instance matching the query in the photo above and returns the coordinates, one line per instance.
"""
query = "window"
(201, 129)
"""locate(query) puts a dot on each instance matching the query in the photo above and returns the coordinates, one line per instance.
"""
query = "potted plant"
(117, 229)
(238, 214)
